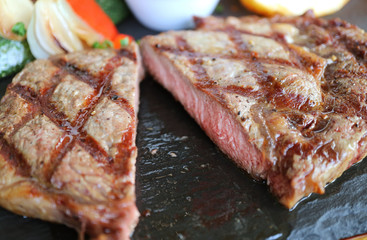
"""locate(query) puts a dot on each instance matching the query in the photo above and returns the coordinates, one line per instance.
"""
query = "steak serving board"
(188, 189)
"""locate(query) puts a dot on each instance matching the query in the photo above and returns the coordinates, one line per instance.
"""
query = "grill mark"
(33, 111)
(196, 64)
(88, 142)
(205, 83)
(128, 54)
(183, 45)
(66, 142)
(243, 53)
(104, 89)
(235, 35)
(44, 105)
(48, 108)
(112, 94)
(59, 119)
(66, 205)
(14, 157)
(94, 149)
(24, 92)
(337, 41)
(122, 102)
(75, 128)
(344, 108)
(231, 29)
(80, 74)
(23, 121)
(246, 56)
(125, 151)
(300, 62)
(252, 61)
(236, 38)
(82, 116)
(265, 80)
(120, 164)
(296, 60)
(73, 132)
(271, 88)
(347, 106)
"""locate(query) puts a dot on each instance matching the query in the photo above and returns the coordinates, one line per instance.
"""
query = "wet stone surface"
(188, 189)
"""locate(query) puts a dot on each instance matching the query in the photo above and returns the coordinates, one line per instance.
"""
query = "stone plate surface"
(188, 189)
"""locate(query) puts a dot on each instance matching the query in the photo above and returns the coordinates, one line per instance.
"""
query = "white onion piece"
(42, 28)
(12, 12)
(55, 28)
(62, 32)
(34, 45)
(77, 25)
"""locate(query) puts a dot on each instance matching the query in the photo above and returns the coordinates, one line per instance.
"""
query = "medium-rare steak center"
(283, 97)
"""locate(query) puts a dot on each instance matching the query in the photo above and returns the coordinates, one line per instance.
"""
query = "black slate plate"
(190, 190)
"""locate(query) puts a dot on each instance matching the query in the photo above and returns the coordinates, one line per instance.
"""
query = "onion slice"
(12, 12)
(55, 28)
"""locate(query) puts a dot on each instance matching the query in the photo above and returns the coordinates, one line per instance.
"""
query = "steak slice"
(283, 97)
(67, 141)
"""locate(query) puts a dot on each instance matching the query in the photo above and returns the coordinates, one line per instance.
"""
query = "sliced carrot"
(122, 39)
(93, 14)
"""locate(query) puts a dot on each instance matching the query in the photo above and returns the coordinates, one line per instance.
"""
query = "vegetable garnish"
(61, 26)
(13, 56)
(115, 9)
(219, 9)
(103, 45)
(55, 28)
(122, 40)
(19, 29)
(94, 16)
(13, 12)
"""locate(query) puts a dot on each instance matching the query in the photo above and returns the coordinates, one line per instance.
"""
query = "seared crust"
(296, 86)
(67, 141)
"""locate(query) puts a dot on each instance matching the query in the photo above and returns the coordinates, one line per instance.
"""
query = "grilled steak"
(283, 97)
(67, 141)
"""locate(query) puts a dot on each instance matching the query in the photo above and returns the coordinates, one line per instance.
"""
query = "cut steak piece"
(67, 141)
(283, 97)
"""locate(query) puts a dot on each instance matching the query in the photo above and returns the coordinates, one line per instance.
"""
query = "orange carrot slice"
(93, 14)
(121, 40)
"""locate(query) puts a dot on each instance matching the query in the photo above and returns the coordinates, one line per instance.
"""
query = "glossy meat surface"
(67, 141)
(283, 97)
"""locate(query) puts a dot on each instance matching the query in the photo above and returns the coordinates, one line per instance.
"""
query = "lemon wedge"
(293, 8)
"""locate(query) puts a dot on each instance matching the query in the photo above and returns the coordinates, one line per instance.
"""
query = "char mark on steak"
(67, 141)
(284, 97)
